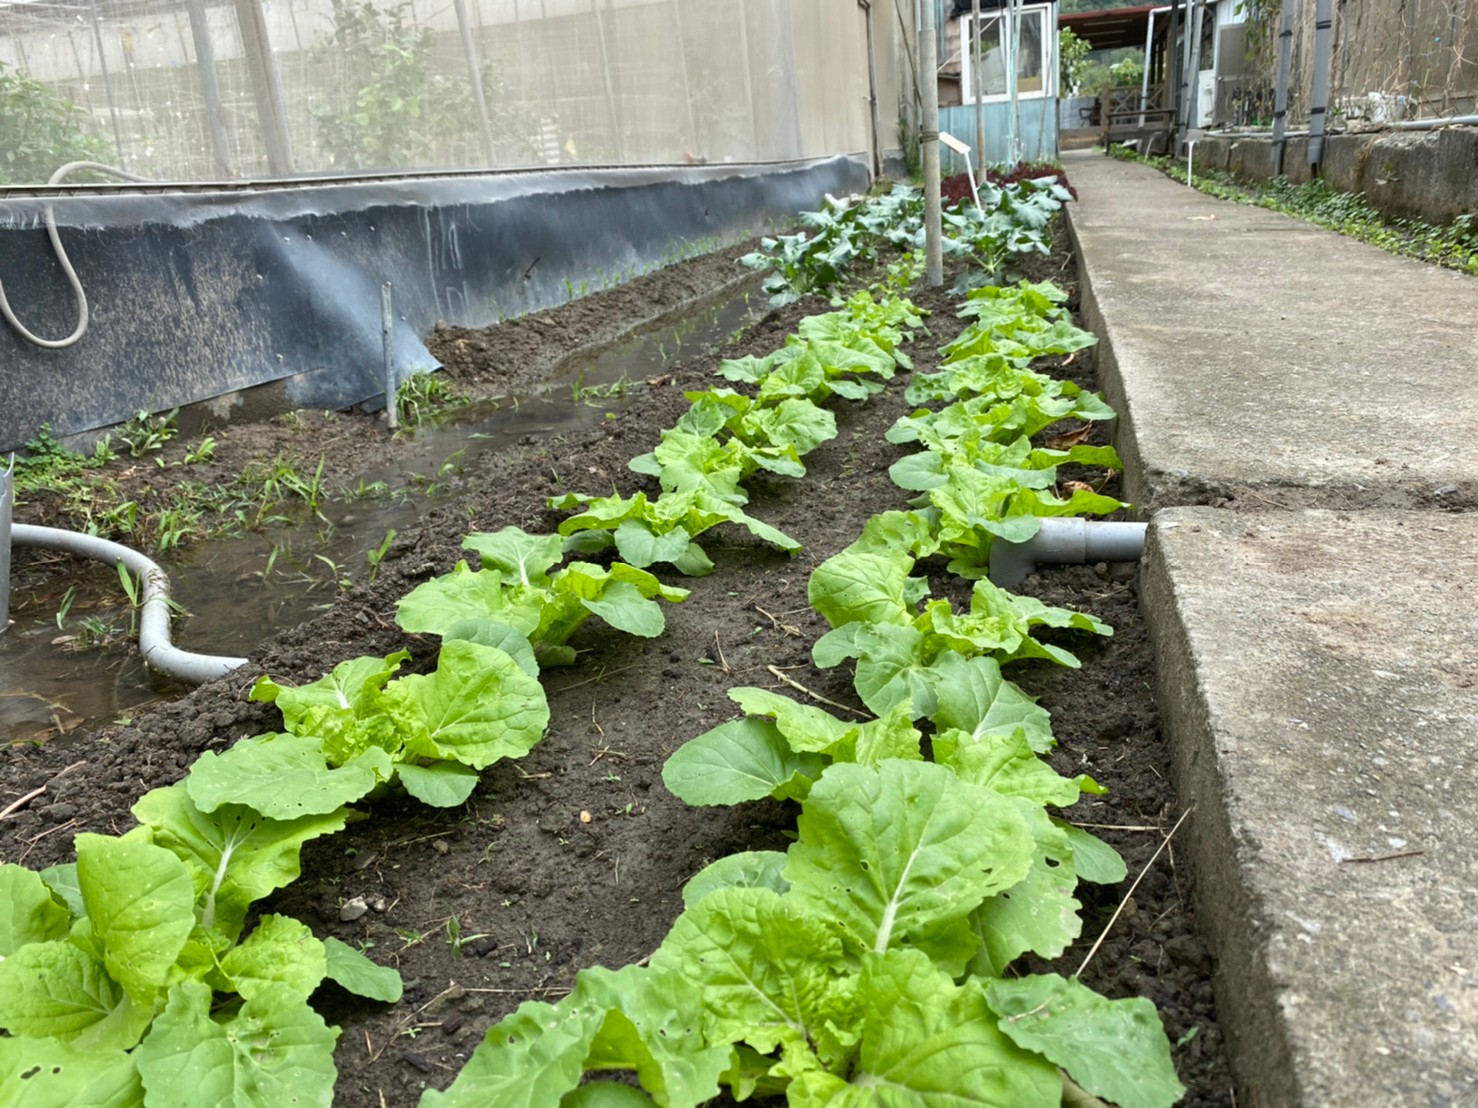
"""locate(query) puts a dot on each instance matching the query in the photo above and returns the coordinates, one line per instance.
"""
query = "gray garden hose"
(62, 259)
(153, 600)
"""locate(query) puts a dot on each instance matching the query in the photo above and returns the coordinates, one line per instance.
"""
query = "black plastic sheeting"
(198, 295)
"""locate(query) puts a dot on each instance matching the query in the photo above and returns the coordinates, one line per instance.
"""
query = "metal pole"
(1280, 96)
(1319, 99)
(1185, 65)
(747, 63)
(872, 92)
(474, 78)
(387, 338)
(1193, 91)
(975, 62)
(605, 68)
(266, 86)
(97, 36)
(1172, 64)
(929, 139)
(205, 63)
(6, 496)
(682, 56)
(798, 148)
(1013, 97)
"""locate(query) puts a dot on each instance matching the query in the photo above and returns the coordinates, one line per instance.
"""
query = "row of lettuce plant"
(129, 976)
(872, 962)
(702, 462)
(855, 230)
(125, 983)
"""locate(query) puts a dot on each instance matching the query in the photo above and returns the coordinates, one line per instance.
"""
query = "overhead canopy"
(1112, 29)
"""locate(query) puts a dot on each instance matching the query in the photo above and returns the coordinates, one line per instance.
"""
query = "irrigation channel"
(68, 658)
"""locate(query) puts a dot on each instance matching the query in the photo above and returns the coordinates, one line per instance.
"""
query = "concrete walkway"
(1316, 626)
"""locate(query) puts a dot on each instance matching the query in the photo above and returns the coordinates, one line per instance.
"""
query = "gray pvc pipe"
(1065, 541)
(6, 497)
(159, 653)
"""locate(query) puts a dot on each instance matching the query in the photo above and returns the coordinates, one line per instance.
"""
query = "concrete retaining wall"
(1430, 175)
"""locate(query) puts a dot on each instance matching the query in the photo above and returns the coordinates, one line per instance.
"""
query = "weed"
(133, 588)
(427, 398)
(456, 939)
(146, 433)
(66, 606)
(281, 481)
(175, 526)
(203, 451)
(94, 633)
(410, 937)
(589, 395)
(377, 555)
(372, 491)
(340, 578)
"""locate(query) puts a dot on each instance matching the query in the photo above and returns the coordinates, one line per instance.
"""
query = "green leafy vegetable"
(29, 913)
(743, 760)
(141, 903)
(47, 1073)
(1115, 1049)
(894, 851)
(273, 1050)
(356, 973)
(516, 587)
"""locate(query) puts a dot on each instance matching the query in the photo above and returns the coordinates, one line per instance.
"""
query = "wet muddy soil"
(576, 855)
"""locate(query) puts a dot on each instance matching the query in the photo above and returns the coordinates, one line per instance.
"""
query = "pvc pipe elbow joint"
(1064, 541)
(154, 644)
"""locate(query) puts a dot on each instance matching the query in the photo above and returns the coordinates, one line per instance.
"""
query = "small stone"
(379, 904)
(352, 909)
(441, 847)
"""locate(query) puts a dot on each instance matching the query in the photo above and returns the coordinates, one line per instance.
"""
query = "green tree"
(389, 110)
(1072, 54)
(39, 131)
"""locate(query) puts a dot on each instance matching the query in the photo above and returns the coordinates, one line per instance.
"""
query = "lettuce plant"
(725, 436)
(645, 532)
(834, 970)
(125, 979)
(1012, 219)
(518, 587)
(873, 605)
(814, 369)
(355, 730)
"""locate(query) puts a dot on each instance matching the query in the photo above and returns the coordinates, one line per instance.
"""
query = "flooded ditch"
(69, 660)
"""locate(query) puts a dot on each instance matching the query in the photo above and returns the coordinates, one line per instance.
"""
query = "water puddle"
(69, 662)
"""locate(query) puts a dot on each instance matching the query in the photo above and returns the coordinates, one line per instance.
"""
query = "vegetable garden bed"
(576, 854)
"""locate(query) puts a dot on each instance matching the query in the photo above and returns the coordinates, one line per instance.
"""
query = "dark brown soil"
(577, 854)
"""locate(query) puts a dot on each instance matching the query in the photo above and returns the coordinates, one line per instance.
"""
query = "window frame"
(1047, 22)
